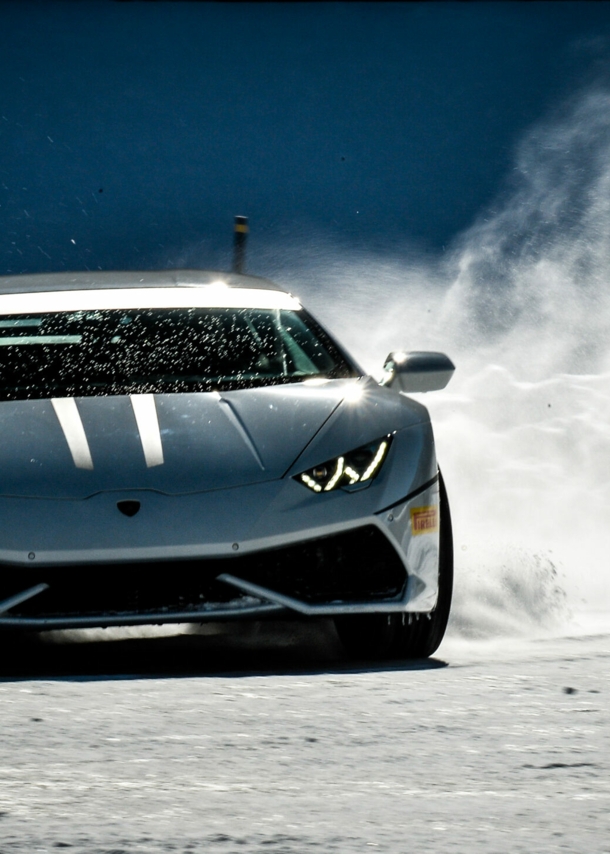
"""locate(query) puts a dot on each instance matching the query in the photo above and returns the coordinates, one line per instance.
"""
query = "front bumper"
(370, 562)
(355, 568)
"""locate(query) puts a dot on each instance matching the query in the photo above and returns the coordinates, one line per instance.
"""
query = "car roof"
(103, 279)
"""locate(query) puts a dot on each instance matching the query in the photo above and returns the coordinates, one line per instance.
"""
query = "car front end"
(201, 452)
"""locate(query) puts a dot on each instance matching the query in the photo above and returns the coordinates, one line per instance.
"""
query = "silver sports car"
(191, 446)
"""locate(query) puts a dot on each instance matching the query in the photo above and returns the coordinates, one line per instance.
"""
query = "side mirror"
(417, 371)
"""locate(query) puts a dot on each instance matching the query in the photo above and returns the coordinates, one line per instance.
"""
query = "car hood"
(172, 443)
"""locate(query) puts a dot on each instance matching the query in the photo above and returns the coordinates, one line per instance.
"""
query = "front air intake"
(352, 566)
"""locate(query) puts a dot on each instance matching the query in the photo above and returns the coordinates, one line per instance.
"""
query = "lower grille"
(359, 565)
(356, 566)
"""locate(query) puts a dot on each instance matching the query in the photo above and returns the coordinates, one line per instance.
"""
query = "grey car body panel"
(204, 524)
(419, 555)
(369, 413)
(210, 441)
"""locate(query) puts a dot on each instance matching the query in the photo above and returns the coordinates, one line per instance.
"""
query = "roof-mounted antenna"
(239, 246)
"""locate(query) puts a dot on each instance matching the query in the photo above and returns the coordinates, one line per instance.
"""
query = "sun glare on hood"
(353, 393)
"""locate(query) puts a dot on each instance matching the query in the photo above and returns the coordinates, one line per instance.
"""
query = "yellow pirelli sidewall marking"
(424, 520)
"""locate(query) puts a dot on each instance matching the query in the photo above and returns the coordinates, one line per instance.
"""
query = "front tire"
(423, 636)
(389, 635)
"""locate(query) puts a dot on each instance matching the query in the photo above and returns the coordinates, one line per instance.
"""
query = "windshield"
(138, 351)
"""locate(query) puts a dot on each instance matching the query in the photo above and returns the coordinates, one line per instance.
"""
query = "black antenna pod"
(239, 246)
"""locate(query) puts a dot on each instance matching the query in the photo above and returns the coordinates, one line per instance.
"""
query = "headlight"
(353, 469)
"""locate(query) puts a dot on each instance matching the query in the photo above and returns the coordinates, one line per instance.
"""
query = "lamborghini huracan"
(190, 446)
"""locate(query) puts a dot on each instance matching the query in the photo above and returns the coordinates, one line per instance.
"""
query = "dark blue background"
(132, 132)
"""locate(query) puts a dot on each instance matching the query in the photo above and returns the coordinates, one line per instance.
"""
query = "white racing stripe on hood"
(73, 430)
(145, 412)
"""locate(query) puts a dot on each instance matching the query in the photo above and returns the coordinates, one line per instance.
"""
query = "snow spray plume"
(532, 277)
(522, 305)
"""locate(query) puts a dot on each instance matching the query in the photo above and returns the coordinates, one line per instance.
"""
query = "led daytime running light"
(354, 477)
(311, 483)
(338, 472)
(349, 471)
(376, 461)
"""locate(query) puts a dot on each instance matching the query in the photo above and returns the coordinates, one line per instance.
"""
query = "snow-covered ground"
(266, 741)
